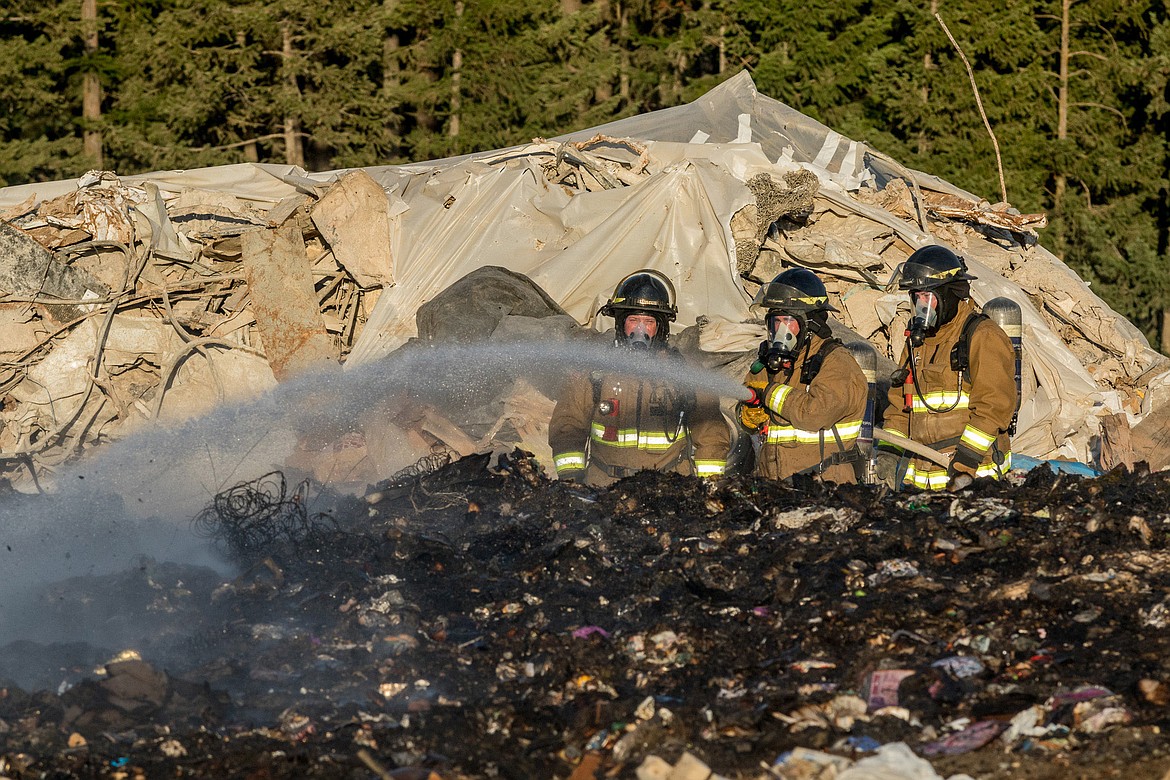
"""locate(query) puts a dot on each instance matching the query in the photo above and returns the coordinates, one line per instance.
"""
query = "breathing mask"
(925, 316)
(639, 330)
(784, 337)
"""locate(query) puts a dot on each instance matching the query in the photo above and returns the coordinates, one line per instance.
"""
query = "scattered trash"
(971, 738)
(960, 666)
(880, 688)
(424, 631)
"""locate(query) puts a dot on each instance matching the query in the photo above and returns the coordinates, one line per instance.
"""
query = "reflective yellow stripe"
(569, 461)
(994, 471)
(786, 433)
(887, 446)
(632, 437)
(710, 468)
(776, 396)
(942, 400)
(977, 439)
(938, 479)
(927, 480)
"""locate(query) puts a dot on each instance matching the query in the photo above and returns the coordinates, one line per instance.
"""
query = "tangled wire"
(253, 516)
(423, 466)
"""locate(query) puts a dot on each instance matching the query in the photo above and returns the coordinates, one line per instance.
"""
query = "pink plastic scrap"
(971, 738)
(880, 688)
(585, 632)
(1080, 694)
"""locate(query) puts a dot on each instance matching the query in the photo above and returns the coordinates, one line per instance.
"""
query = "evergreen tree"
(40, 97)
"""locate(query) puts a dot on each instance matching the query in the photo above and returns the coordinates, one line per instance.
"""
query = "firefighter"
(956, 389)
(808, 393)
(608, 425)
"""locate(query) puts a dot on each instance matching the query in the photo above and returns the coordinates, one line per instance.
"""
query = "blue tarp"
(1027, 463)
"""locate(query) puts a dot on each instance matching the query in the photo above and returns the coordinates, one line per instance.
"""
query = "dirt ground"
(482, 621)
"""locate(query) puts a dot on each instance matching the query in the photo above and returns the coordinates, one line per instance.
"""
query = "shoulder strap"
(961, 352)
(595, 380)
(812, 366)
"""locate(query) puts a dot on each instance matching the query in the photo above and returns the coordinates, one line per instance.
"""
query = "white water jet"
(136, 497)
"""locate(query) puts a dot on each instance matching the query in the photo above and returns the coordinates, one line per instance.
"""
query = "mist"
(130, 504)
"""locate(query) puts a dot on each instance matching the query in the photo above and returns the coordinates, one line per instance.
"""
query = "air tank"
(866, 358)
(1005, 313)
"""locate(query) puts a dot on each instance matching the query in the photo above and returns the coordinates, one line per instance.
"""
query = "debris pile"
(129, 301)
(478, 620)
(160, 309)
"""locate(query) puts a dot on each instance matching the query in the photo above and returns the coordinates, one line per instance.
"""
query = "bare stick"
(373, 764)
(979, 103)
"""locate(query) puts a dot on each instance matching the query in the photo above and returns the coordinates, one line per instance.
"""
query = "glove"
(751, 413)
(960, 480)
(753, 418)
(886, 469)
(963, 467)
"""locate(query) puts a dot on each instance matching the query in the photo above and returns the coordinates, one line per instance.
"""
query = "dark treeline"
(1076, 92)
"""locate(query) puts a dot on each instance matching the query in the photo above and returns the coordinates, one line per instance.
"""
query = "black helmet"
(931, 267)
(939, 271)
(795, 291)
(644, 291)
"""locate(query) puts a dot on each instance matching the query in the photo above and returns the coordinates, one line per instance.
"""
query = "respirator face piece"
(925, 316)
(784, 333)
(639, 330)
(784, 336)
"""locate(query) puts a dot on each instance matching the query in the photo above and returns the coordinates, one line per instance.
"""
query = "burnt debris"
(479, 620)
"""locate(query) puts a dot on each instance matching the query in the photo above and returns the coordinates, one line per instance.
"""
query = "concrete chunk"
(354, 217)
(284, 301)
(28, 269)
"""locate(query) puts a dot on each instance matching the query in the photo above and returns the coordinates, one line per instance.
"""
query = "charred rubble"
(480, 620)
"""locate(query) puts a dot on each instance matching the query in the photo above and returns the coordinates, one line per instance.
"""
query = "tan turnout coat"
(634, 424)
(970, 419)
(799, 434)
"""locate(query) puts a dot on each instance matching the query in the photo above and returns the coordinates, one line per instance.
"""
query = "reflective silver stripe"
(786, 433)
(776, 396)
(943, 399)
(569, 461)
(710, 468)
(977, 439)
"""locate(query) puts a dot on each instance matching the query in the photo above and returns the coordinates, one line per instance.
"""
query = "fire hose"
(912, 446)
(909, 445)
